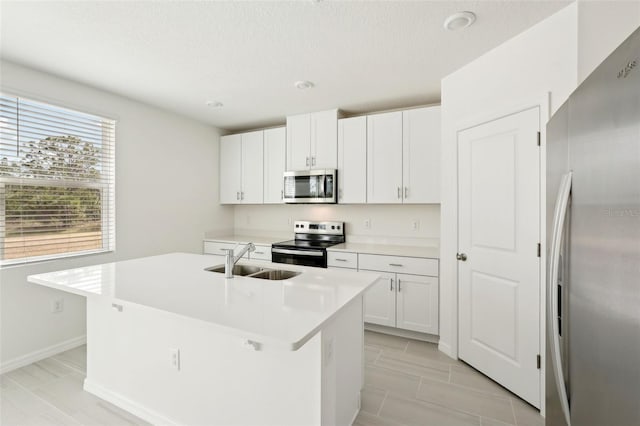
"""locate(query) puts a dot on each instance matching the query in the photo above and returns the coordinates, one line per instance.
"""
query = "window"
(57, 189)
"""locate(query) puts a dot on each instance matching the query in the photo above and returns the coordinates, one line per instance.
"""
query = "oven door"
(310, 186)
(298, 256)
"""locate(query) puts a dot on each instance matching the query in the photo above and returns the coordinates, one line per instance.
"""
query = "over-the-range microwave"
(311, 186)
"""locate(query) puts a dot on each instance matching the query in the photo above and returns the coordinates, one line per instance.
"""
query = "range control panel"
(307, 227)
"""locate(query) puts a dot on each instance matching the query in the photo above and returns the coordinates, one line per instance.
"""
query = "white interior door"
(499, 232)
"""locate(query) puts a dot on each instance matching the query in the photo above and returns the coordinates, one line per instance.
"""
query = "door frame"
(449, 261)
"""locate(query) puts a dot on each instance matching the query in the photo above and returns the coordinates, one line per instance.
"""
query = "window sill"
(42, 259)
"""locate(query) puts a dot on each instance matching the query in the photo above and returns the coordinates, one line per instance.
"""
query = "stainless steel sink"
(256, 272)
(239, 270)
(275, 274)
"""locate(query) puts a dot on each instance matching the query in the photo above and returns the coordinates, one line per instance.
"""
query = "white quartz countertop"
(388, 249)
(244, 239)
(283, 314)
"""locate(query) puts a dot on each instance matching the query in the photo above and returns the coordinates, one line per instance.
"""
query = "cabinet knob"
(461, 256)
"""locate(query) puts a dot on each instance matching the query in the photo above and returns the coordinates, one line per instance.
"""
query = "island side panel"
(219, 381)
(343, 365)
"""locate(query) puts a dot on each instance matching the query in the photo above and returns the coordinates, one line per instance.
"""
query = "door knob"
(461, 256)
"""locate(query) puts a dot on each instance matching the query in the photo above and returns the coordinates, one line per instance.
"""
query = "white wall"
(166, 198)
(602, 26)
(392, 224)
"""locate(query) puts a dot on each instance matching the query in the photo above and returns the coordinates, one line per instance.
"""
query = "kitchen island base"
(169, 369)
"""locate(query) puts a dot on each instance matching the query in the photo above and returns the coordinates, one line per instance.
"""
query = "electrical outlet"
(415, 225)
(57, 306)
(174, 358)
(367, 224)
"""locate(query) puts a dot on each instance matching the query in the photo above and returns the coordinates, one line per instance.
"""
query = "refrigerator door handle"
(559, 216)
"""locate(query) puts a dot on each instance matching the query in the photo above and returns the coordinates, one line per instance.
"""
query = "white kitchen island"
(176, 344)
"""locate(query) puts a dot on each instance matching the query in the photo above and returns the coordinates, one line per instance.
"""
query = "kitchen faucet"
(231, 260)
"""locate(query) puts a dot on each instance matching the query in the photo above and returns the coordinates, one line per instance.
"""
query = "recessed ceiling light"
(459, 20)
(215, 104)
(303, 84)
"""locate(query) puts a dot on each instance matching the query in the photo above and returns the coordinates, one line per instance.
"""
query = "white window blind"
(57, 182)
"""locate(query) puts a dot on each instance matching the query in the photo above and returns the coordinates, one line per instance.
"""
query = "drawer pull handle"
(258, 252)
(341, 260)
(395, 264)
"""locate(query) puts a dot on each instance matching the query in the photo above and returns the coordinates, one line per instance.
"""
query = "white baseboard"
(132, 407)
(431, 338)
(446, 349)
(41, 354)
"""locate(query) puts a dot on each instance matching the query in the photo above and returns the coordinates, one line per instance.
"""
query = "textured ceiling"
(362, 56)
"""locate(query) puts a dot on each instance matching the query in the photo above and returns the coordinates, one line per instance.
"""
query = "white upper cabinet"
(421, 155)
(241, 168)
(384, 158)
(352, 160)
(403, 150)
(324, 140)
(312, 141)
(252, 167)
(230, 170)
(275, 144)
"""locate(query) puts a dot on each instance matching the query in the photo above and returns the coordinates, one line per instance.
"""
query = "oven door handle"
(301, 252)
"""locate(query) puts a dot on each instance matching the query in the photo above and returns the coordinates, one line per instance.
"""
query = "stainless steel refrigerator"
(593, 234)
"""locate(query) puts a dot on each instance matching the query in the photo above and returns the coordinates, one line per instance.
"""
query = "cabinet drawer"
(342, 259)
(261, 253)
(400, 264)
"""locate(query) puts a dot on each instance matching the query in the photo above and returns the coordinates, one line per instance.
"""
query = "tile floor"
(407, 382)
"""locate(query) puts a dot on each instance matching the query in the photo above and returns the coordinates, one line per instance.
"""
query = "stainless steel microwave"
(311, 186)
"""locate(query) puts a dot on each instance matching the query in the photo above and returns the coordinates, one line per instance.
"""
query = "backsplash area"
(415, 225)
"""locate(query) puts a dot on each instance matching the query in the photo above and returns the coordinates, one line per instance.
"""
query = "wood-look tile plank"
(526, 415)
(74, 358)
(414, 412)
(21, 407)
(392, 381)
(429, 351)
(371, 353)
(467, 400)
(67, 394)
(464, 375)
(366, 419)
(371, 399)
(385, 341)
(39, 373)
(415, 365)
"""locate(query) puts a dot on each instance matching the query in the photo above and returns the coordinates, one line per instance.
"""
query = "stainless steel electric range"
(309, 248)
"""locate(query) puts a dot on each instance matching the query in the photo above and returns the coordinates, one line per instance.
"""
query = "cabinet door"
(384, 158)
(417, 303)
(230, 170)
(252, 168)
(352, 160)
(380, 301)
(274, 164)
(421, 155)
(324, 140)
(298, 142)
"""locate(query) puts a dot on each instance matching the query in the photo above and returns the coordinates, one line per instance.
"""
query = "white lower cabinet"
(380, 301)
(417, 303)
(405, 301)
